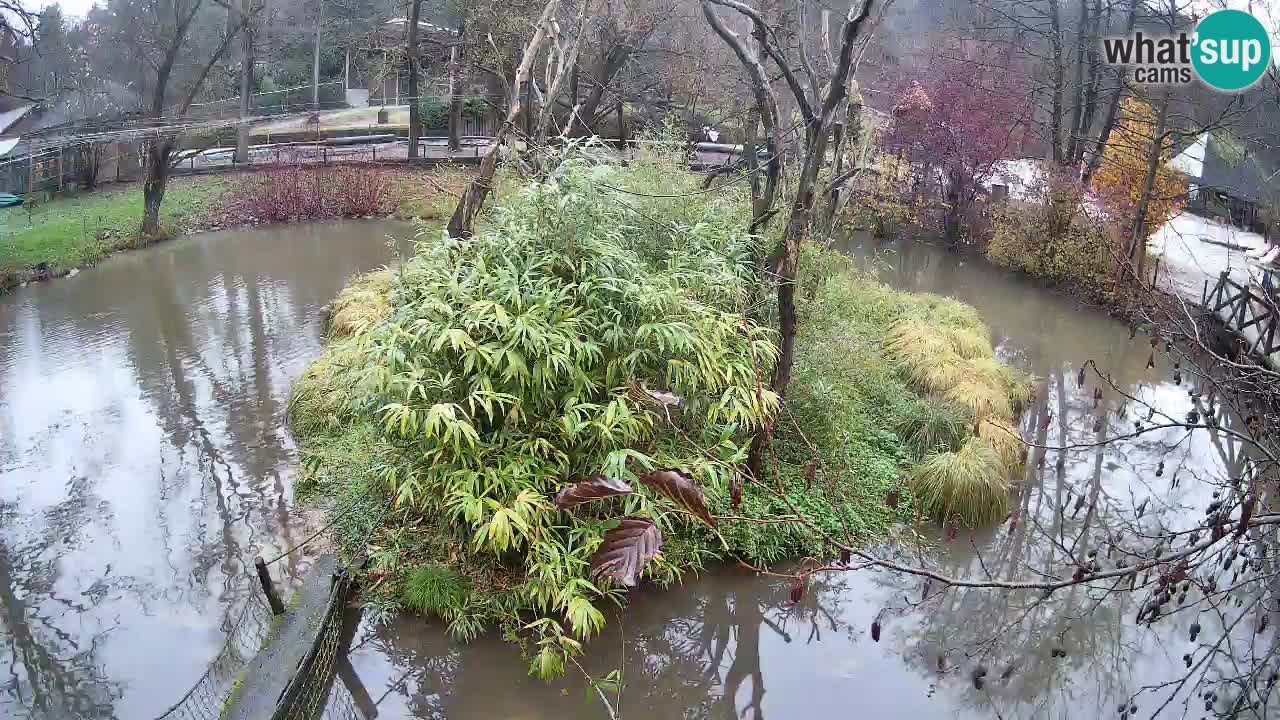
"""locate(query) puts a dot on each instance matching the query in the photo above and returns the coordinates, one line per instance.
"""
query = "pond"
(144, 459)
(144, 462)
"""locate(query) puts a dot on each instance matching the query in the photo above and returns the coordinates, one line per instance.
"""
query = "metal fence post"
(268, 588)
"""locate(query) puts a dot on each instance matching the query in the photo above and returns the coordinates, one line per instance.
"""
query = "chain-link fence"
(312, 694)
(307, 694)
(208, 697)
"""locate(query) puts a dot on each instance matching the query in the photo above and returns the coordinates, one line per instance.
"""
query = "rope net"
(208, 697)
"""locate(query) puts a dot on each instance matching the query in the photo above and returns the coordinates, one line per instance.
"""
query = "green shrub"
(1022, 240)
(881, 205)
(433, 112)
(522, 360)
(496, 371)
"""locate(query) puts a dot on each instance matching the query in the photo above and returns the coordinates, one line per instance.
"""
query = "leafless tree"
(820, 102)
(162, 34)
(462, 222)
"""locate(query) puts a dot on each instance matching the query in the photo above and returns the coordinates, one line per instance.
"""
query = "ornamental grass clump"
(362, 305)
(968, 484)
(942, 349)
(935, 426)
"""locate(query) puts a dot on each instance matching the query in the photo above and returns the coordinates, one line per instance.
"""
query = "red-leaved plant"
(953, 122)
(285, 194)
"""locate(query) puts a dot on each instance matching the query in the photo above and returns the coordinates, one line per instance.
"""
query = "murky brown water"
(143, 463)
(144, 460)
(731, 645)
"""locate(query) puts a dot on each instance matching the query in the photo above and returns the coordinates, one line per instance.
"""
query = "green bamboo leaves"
(567, 339)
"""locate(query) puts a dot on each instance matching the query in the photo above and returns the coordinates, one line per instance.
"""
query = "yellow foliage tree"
(1120, 179)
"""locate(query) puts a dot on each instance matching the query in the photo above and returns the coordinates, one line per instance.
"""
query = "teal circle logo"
(1232, 50)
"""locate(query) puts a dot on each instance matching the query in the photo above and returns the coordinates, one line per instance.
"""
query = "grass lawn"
(80, 227)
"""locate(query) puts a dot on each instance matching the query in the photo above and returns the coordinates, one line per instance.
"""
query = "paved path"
(290, 640)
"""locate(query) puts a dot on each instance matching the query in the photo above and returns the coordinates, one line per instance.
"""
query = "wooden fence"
(1248, 311)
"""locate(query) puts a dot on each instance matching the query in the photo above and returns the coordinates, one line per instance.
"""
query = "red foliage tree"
(953, 122)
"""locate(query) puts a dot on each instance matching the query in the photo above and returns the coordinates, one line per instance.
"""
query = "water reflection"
(704, 651)
(1070, 504)
(144, 458)
(731, 645)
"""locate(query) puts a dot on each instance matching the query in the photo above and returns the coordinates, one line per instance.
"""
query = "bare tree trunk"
(564, 60)
(837, 144)
(572, 125)
(246, 87)
(1138, 243)
(787, 257)
(847, 130)
(1113, 107)
(951, 215)
(1059, 80)
(766, 106)
(787, 261)
(602, 75)
(751, 127)
(91, 157)
(1077, 91)
(160, 150)
(153, 187)
(411, 57)
(315, 60)
(462, 223)
(455, 102)
(1085, 128)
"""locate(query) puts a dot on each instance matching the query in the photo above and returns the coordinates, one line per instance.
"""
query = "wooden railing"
(1243, 307)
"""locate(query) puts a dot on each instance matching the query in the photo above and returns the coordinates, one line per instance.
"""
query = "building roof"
(422, 25)
(9, 118)
(1233, 165)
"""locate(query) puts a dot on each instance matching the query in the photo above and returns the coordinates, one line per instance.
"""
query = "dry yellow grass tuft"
(982, 398)
(362, 305)
(969, 484)
(1005, 439)
(969, 344)
(946, 352)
